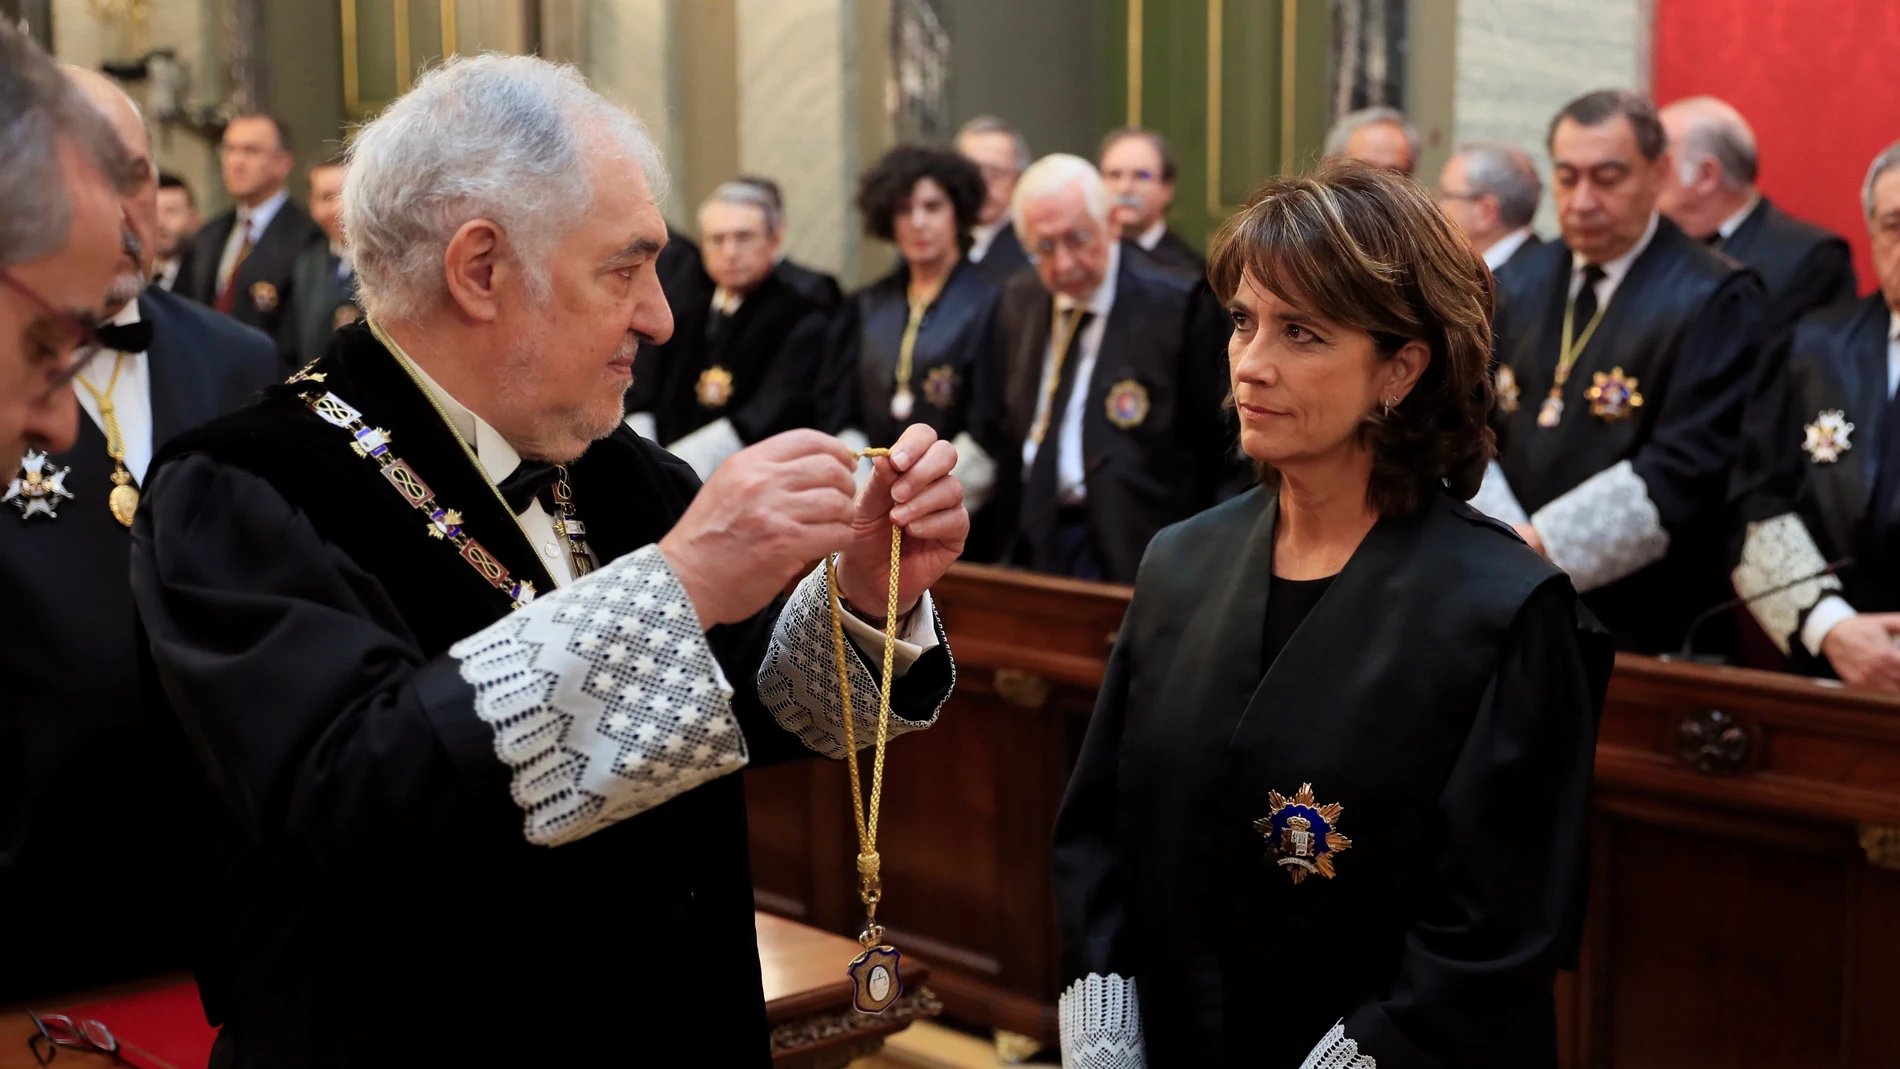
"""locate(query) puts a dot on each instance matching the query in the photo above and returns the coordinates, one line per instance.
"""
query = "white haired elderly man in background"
(1116, 374)
(1491, 191)
(1381, 137)
(470, 663)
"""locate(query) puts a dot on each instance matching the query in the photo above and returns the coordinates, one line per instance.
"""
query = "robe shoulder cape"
(1444, 692)
(378, 901)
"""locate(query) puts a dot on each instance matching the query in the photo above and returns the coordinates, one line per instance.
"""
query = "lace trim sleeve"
(604, 698)
(799, 683)
(1776, 551)
(1603, 529)
(1101, 1024)
(1335, 1051)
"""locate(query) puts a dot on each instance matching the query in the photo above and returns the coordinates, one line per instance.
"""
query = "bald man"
(1709, 191)
(108, 779)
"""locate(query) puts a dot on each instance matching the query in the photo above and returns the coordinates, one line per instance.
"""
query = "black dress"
(1443, 692)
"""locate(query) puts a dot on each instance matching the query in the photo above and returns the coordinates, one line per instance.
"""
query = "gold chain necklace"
(875, 978)
(124, 499)
(903, 401)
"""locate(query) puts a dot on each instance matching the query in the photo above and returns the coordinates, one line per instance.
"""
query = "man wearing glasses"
(244, 262)
(1138, 167)
(1115, 379)
(1001, 153)
(103, 763)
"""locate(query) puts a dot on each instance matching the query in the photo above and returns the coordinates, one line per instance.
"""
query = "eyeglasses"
(57, 1030)
(1119, 174)
(1075, 241)
(1451, 194)
(85, 340)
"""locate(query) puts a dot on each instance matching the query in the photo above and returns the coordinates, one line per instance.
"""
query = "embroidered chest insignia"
(714, 388)
(264, 296)
(876, 979)
(1825, 439)
(940, 387)
(38, 489)
(1507, 389)
(1613, 396)
(1127, 404)
(1302, 835)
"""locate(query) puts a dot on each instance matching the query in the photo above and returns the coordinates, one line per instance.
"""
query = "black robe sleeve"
(1473, 986)
(785, 397)
(839, 407)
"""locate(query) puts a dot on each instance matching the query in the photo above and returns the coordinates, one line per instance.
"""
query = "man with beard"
(470, 663)
(745, 344)
(1138, 167)
(104, 770)
(178, 222)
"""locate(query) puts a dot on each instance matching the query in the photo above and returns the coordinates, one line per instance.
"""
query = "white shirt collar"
(127, 315)
(726, 300)
(1734, 222)
(1893, 325)
(1502, 249)
(261, 215)
(1103, 299)
(498, 458)
(983, 235)
(1614, 270)
(1152, 236)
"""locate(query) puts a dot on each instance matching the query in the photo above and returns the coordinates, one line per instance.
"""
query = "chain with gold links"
(124, 499)
(870, 880)
(1065, 327)
(568, 525)
(1551, 412)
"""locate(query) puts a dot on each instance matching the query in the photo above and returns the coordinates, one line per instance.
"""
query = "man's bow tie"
(526, 482)
(126, 337)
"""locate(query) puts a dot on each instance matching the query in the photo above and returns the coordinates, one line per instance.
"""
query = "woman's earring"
(1390, 404)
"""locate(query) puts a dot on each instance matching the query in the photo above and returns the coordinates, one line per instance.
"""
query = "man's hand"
(914, 489)
(1531, 538)
(1862, 652)
(763, 517)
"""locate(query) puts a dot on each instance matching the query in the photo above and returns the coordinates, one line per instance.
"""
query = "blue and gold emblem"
(876, 979)
(940, 387)
(1127, 404)
(1613, 396)
(1302, 835)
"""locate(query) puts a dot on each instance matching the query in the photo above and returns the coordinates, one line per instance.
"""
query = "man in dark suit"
(243, 260)
(323, 282)
(1001, 154)
(1138, 167)
(1115, 376)
(178, 223)
(1709, 191)
(815, 286)
(104, 776)
(1491, 191)
(1822, 480)
(745, 344)
(1625, 354)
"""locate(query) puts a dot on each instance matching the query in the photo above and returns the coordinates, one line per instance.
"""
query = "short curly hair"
(1368, 249)
(888, 184)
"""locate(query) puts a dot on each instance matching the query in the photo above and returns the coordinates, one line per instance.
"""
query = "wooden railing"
(1745, 894)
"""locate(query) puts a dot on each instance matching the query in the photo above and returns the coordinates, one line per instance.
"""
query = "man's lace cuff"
(1777, 551)
(1603, 529)
(604, 697)
(798, 682)
(1101, 1024)
(1335, 1051)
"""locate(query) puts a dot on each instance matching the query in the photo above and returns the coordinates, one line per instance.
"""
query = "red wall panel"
(1817, 79)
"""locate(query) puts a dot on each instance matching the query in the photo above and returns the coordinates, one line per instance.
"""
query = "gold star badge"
(1613, 396)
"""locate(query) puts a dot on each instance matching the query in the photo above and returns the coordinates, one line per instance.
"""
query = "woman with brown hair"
(1333, 805)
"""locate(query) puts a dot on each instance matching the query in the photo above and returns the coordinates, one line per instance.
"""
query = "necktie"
(1043, 477)
(126, 337)
(227, 293)
(527, 482)
(1714, 240)
(1587, 297)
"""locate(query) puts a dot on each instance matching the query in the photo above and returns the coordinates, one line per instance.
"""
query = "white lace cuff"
(1101, 1024)
(708, 447)
(1495, 499)
(798, 681)
(1335, 1051)
(1777, 551)
(604, 697)
(1605, 528)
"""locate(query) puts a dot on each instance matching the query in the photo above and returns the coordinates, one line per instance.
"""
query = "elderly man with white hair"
(470, 663)
(1382, 137)
(1491, 191)
(1709, 191)
(1116, 373)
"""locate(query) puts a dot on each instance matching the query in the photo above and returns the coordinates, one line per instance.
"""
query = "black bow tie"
(126, 337)
(527, 482)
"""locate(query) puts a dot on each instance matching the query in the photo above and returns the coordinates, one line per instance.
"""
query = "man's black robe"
(1808, 495)
(1445, 691)
(1803, 267)
(379, 901)
(769, 349)
(1685, 324)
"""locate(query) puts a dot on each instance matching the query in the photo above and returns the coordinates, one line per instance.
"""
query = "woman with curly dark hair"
(915, 346)
(1332, 806)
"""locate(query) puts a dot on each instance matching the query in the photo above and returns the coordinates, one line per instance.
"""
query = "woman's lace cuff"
(1335, 1051)
(1101, 1024)
(798, 681)
(604, 697)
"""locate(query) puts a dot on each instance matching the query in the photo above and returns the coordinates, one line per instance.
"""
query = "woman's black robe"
(1445, 692)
